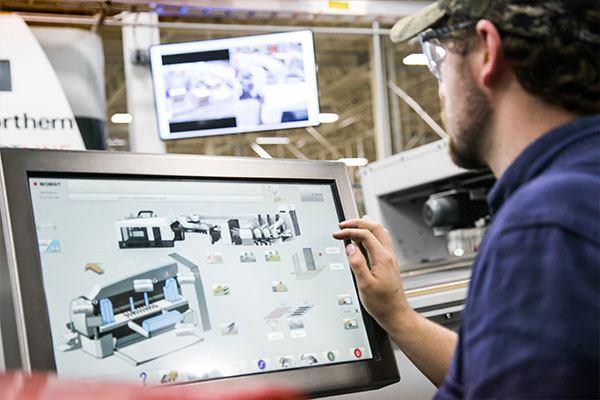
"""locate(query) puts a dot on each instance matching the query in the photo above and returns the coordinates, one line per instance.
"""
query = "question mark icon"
(144, 376)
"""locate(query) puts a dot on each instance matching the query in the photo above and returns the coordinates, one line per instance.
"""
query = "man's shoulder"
(569, 199)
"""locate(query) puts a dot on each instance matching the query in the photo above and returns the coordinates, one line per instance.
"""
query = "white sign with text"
(34, 111)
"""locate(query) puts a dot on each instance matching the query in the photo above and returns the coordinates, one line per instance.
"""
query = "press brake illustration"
(142, 316)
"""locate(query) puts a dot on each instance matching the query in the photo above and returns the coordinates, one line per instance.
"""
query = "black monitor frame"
(24, 321)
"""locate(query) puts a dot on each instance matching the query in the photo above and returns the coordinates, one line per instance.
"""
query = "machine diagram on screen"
(146, 229)
(294, 316)
(305, 266)
(141, 316)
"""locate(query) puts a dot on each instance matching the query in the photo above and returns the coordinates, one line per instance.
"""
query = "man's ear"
(491, 61)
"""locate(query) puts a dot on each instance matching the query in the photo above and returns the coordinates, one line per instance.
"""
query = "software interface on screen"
(162, 281)
(235, 85)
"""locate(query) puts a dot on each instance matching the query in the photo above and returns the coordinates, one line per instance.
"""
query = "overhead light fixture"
(354, 162)
(262, 153)
(328, 118)
(121, 118)
(272, 140)
(415, 59)
(115, 142)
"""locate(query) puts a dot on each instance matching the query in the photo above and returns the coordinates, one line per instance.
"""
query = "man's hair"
(563, 69)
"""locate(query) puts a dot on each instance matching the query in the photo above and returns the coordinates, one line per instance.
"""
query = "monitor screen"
(160, 280)
(235, 85)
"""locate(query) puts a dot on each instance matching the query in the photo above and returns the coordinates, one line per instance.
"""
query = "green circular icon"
(330, 355)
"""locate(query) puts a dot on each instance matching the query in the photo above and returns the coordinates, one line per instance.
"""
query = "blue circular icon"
(261, 364)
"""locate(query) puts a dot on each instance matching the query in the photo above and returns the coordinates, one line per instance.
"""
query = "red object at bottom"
(21, 386)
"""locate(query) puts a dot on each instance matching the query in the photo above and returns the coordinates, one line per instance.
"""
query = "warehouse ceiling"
(344, 69)
(319, 11)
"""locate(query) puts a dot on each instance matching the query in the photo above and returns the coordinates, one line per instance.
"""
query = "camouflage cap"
(524, 18)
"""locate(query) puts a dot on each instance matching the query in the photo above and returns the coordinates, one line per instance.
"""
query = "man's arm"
(428, 345)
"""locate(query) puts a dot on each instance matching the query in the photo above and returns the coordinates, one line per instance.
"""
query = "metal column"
(143, 130)
(383, 140)
(395, 117)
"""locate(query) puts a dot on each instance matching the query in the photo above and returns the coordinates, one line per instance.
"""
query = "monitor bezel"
(25, 324)
(157, 51)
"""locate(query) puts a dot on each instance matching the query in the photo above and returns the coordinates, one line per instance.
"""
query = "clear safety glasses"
(433, 47)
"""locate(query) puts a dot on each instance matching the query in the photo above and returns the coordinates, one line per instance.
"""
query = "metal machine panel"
(395, 190)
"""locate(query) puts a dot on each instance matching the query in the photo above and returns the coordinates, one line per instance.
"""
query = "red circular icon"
(357, 353)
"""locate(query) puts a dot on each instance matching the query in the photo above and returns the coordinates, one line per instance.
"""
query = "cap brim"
(411, 26)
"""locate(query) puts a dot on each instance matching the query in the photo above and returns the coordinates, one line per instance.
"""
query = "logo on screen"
(48, 184)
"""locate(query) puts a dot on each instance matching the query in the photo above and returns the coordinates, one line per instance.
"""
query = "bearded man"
(520, 85)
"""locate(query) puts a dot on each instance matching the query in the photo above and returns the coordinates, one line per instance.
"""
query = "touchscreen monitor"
(161, 281)
(235, 85)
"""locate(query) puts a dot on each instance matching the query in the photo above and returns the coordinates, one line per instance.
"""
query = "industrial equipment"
(149, 230)
(139, 307)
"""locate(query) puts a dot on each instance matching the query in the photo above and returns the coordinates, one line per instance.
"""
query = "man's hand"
(428, 345)
(380, 287)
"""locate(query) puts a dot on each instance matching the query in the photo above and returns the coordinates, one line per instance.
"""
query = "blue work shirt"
(530, 327)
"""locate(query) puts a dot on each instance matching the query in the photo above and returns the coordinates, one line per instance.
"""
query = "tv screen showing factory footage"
(249, 84)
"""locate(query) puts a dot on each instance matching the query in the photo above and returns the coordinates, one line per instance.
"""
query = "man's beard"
(469, 127)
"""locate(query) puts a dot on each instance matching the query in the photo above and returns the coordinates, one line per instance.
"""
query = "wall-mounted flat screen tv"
(235, 85)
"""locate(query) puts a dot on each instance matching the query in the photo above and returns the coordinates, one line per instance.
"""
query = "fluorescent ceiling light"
(328, 118)
(272, 140)
(121, 118)
(260, 151)
(354, 162)
(415, 59)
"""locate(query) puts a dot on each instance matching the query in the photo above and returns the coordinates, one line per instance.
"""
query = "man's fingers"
(359, 266)
(373, 246)
(376, 229)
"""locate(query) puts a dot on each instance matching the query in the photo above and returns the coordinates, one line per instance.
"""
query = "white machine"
(130, 316)
(146, 229)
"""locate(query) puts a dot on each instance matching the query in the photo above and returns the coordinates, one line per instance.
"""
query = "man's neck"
(520, 119)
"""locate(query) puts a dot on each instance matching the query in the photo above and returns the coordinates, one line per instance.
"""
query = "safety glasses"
(431, 43)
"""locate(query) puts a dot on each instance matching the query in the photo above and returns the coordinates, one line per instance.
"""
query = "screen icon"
(228, 329)
(331, 356)
(221, 289)
(285, 362)
(143, 377)
(309, 359)
(261, 364)
(247, 257)
(357, 352)
(350, 323)
(344, 300)
(279, 286)
(169, 377)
